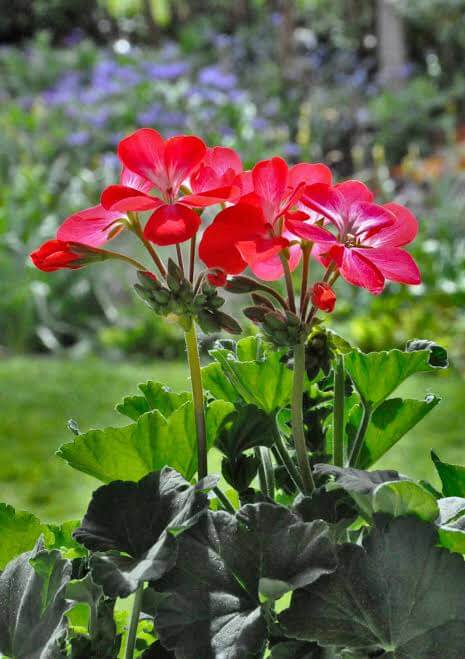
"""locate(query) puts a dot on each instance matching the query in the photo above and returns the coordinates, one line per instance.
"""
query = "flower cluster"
(269, 218)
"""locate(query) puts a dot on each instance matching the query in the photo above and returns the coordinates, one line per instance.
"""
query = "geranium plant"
(299, 550)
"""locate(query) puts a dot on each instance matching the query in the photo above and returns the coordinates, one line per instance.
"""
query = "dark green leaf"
(157, 651)
(296, 650)
(357, 480)
(399, 594)
(395, 367)
(19, 532)
(245, 428)
(135, 518)
(155, 396)
(332, 507)
(227, 566)
(149, 444)
(389, 423)
(452, 477)
(33, 605)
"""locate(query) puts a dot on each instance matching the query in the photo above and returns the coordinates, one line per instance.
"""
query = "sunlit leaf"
(155, 396)
(452, 477)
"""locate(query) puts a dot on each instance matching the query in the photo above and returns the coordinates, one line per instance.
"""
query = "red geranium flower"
(254, 232)
(366, 249)
(166, 166)
(323, 297)
(54, 255)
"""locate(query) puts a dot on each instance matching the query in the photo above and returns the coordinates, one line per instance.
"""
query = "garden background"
(375, 89)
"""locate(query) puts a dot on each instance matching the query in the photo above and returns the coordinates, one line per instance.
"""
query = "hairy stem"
(306, 251)
(132, 631)
(192, 258)
(125, 259)
(357, 446)
(289, 284)
(338, 412)
(197, 397)
(286, 460)
(298, 420)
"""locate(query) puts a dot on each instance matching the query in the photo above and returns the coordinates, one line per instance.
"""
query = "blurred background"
(373, 88)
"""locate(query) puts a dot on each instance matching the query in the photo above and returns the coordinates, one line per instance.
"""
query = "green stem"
(132, 631)
(137, 229)
(192, 258)
(359, 439)
(265, 471)
(180, 259)
(286, 460)
(227, 505)
(298, 420)
(197, 397)
(125, 259)
(306, 251)
(289, 284)
(338, 412)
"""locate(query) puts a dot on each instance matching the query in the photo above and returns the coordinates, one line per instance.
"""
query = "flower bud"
(217, 277)
(56, 255)
(323, 297)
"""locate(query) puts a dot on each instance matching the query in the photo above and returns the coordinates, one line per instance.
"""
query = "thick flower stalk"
(270, 220)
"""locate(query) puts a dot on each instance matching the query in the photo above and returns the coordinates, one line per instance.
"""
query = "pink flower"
(254, 232)
(166, 166)
(366, 249)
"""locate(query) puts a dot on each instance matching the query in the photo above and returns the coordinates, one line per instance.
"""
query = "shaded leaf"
(296, 650)
(243, 429)
(144, 446)
(452, 477)
(438, 354)
(33, 605)
(211, 604)
(135, 519)
(19, 532)
(332, 507)
(382, 599)
(157, 651)
(451, 523)
(358, 480)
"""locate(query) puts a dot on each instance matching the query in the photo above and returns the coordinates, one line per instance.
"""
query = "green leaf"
(33, 605)
(265, 382)
(452, 477)
(19, 532)
(389, 423)
(451, 523)
(243, 429)
(377, 374)
(405, 498)
(64, 541)
(135, 519)
(399, 596)
(155, 396)
(147, 445)
(211, 602)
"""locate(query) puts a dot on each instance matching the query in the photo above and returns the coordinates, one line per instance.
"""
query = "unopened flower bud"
(323, 297)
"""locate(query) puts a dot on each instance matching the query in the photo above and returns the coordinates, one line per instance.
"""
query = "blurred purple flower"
(78, 139)
(291, 150)
(166, 71)
(213, 76)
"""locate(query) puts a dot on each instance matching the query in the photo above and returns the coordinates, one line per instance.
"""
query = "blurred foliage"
(264, 76)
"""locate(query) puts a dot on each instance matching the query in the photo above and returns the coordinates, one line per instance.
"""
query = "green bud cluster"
(282, 328)
(178, 299)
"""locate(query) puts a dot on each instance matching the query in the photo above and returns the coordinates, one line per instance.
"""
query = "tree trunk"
(392, 48)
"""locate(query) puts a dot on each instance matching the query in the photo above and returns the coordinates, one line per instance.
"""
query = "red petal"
(311, 232)
(123, 199)
(260, 249)
(182, 155)
(53, 255)
(218, 245)
(326, 201)
(364, 217)
(360, 271)
(402, 232)
(272, 269)
(309, 173)
(395, 264)
(353, 191)
(210, 197)
(270, 178)
(171, 224)
(131, 180)
(143, 153)
(92, 226)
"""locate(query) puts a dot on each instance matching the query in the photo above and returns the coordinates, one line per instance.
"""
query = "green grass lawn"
(38, 396)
